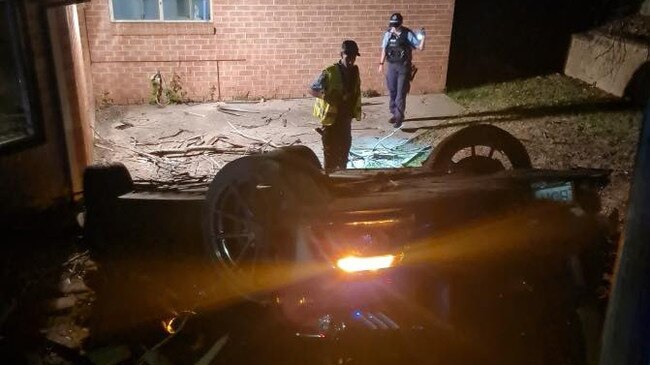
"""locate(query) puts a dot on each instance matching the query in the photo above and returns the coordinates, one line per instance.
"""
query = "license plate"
(561, 192)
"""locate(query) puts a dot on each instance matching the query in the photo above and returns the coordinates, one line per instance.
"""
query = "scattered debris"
(201, 146)
(98, 145)
(250, 137)
(175, 134)
(261, 100)
(364, 128)
(372, 103)
(219, 108)
(187, 112)
(124, 125)
(214, 139)
(193, 149)
(231, 109)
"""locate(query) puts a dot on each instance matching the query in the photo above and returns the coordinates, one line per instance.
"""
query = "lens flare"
(169, 326)
(372, 263)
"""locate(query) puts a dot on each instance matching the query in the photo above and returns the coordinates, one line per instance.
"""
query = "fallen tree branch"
(183, 151)
(228, 112)
(175, 134)
(103, 147)
(194, 114)
(237, 131)
(251, 126)
(231, 109)
(147, 155)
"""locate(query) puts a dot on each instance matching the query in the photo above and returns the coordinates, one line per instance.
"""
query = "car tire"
(250, 213)
(442, 157)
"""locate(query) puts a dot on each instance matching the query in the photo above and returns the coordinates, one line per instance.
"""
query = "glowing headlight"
(371, 263)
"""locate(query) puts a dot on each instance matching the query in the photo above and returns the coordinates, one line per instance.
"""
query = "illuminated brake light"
(372, 263)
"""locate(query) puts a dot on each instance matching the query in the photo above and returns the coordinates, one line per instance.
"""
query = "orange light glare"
(168, 326)
(380, 222)
(371, 263)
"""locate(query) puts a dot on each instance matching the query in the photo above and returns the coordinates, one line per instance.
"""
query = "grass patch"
(534, 92)
(553, 98)
(615, 126)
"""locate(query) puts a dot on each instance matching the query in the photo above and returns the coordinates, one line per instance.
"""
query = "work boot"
(398, 123)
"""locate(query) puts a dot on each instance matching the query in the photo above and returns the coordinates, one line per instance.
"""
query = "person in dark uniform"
(338, 89)
(397, 47)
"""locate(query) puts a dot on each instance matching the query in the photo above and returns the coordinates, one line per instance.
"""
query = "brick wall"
(269, 48)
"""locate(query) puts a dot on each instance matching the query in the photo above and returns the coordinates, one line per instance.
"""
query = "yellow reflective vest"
(327, 112)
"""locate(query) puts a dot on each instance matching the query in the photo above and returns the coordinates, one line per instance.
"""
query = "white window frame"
(160, 14)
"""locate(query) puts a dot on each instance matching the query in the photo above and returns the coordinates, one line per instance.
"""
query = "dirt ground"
(191, 142)
(564, 123)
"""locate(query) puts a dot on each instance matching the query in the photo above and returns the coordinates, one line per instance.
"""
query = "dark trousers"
(398, 82)
(337, 140)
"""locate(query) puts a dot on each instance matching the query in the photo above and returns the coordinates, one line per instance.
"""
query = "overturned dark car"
(475, 256)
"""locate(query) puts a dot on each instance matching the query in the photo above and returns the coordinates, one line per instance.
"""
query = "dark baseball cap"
(396, 20)
(350, 48)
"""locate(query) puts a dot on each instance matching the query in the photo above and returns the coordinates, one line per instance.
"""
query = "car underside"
(475, 256)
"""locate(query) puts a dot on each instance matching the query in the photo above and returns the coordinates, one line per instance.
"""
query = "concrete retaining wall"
(607, 63)
(645, 8)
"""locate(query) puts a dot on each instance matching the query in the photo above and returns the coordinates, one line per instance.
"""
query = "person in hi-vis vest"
(338, 89)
